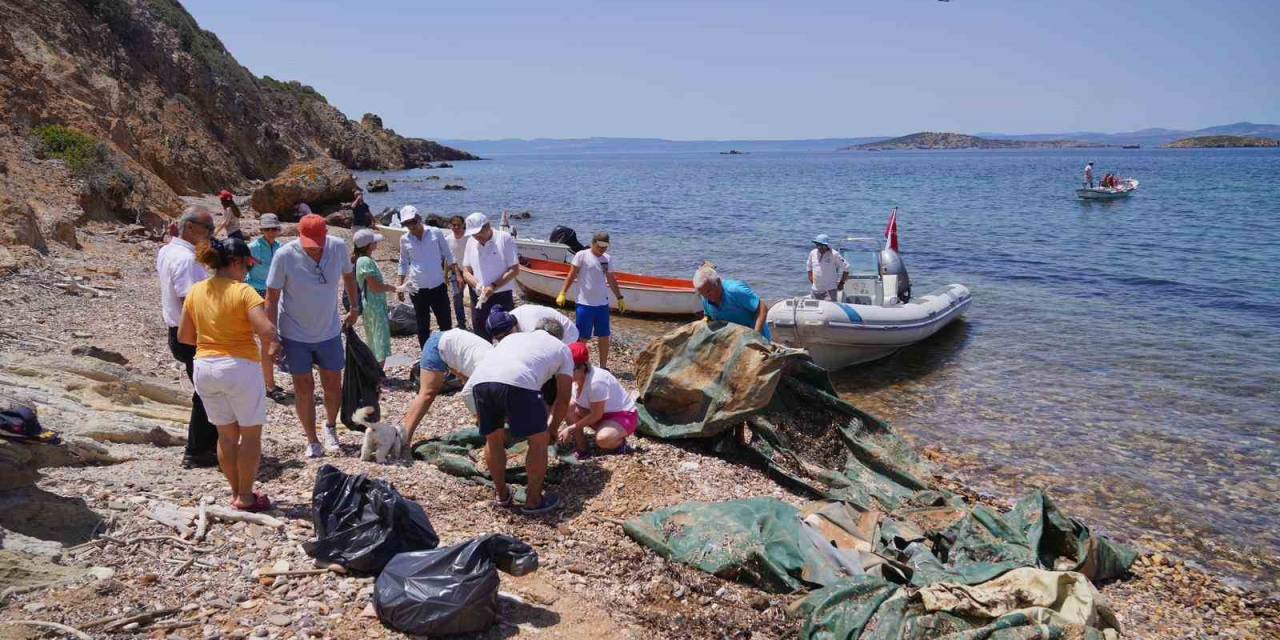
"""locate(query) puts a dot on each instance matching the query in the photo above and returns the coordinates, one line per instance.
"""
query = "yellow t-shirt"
(220, 308)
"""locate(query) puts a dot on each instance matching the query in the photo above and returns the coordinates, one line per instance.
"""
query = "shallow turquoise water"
(1125, 354)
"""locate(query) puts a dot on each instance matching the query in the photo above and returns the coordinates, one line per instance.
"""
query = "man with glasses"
(302, 291)
(489, 266)
(178, 271)
(425, 260)
(458, 246)
(592, 269)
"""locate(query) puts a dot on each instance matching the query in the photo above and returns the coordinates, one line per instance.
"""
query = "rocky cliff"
(108, 108)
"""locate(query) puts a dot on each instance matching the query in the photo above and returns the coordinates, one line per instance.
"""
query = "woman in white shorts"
(220, 317)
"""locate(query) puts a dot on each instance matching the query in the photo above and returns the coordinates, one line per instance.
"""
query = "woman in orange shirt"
(220, 317)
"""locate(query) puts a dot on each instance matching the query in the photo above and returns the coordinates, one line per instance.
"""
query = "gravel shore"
(594, 582)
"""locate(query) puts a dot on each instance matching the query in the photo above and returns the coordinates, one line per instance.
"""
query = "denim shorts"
(592, 321)
(300, 356)
(498, 403)
(431, 360)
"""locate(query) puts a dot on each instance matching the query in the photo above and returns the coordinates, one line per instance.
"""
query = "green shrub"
(82, 153)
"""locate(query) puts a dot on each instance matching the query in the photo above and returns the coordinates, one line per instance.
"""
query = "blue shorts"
(431, 360)
(592, 322)
(300, 356)
(498, 404)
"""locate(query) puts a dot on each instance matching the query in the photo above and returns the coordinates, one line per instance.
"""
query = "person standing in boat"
(828, 270)
(730, 300)
(1088, 175)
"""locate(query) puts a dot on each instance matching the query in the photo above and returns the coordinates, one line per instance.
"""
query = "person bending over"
(600, 404)
(730, 301)
(458, 351)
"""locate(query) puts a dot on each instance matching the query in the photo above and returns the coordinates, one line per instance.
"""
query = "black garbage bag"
(566, 236)
(402, 320)
(451, 590)
(362, 523)
(361, 381)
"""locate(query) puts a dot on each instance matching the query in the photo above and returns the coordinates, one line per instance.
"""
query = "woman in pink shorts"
(601, 404)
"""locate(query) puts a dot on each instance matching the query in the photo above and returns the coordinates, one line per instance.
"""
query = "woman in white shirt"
(601, 404)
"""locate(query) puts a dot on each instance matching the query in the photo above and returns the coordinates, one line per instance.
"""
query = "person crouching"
(505, 388)
(601, 404)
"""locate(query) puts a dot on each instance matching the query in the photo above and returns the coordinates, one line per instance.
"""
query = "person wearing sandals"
(264, 249)
(505, 389)
(221, 316)
(373, 294)
(601, 404)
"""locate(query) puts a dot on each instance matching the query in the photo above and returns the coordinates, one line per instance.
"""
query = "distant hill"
(1155, 137)
(1223, 141)
(648, 145)
(932, 141)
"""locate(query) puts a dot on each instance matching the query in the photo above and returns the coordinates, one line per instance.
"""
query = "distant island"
(1199, 142)
(733, 152)
(930, 140)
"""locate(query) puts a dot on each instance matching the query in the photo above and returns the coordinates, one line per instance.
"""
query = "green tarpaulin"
(461, 454)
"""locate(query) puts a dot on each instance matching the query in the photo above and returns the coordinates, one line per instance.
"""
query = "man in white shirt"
(425, 260)
(490, 266)
(592, 270)
(505, 387)
(528, 316)
(178, 271)
(458, 246)
(455, 351)
(828, 270)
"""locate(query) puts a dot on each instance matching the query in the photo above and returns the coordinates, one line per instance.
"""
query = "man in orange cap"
(302, 291)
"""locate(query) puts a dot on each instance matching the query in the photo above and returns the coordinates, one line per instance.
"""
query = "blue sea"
(1124, 354)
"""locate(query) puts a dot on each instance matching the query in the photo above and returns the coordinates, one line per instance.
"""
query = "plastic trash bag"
(403, 320)
(362, 523)
(361, 381)
(451, 590)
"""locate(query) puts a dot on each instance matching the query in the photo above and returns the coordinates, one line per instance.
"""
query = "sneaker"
(314, 450)
(200, 461)
(331, 439)
(550, 502)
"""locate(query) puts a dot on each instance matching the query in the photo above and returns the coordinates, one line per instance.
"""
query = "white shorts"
(232, 390)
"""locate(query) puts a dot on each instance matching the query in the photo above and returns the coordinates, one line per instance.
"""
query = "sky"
(748, 69)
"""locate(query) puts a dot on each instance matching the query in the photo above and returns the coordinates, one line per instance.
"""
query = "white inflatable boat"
(1126, 187)
(877, 317)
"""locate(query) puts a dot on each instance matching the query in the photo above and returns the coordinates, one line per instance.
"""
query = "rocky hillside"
(1223, 142)
(931, 140)
(108, 108)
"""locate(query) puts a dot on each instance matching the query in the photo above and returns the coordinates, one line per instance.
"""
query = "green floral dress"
(377, 331)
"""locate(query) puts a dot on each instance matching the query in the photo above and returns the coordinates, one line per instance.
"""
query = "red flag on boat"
(891, 231)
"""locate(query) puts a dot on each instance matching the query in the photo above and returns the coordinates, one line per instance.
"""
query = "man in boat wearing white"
(1088, 175)
(827, 270)
(730, 301)
(456, 350)
(489, 266)
(601, 404)
(592, 269)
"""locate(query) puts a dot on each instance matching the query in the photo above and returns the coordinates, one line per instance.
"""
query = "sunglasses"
(320, 272)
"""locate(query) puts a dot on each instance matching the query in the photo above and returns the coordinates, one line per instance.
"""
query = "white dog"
(380, 440)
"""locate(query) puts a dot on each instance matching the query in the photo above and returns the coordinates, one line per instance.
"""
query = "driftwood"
(202, 522)
(235, 515)
(295, 572)
(141, 617)
(50, 625)
(173, 516)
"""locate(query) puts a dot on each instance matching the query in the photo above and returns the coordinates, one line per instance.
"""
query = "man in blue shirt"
(730, 301)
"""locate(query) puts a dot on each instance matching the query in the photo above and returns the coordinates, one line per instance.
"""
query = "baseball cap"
(312, 231)
(580, 353)
(269, 221)
(822, 239)
(499, 321)
(475, 222)
(408, 212)
(226, 195)
(366, 237)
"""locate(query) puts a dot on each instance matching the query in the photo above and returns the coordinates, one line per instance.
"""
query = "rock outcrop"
(160, 109)
(317, 183)
(378, 186)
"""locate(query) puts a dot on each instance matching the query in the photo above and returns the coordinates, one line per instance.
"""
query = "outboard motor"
(566, 236)
(893, 276)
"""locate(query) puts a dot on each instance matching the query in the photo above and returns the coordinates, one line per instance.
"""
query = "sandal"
(550, 502)
(279, 395)
(505, 504)
(620, 451)
(260, 503)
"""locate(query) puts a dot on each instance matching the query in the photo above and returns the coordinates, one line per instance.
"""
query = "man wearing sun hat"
(302, 291)
(827, 269)
(264, 250)
(489, 265)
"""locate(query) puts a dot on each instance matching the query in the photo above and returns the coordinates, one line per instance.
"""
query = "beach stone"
(279, 620)
(91, 351)
(319, 182)
(378, 186)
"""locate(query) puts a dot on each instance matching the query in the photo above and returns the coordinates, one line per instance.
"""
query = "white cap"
(475, 222)
(366, 237)
(407, 213)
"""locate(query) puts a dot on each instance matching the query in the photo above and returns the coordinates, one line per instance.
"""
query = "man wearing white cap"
(425, 260)
(489, 266)
(827, 270)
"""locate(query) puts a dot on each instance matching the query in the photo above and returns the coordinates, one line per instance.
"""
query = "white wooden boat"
(543, 250)
(1126, 187)
(647, 295)
(390, 235)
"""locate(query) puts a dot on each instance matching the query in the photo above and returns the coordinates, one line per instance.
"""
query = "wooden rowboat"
(648, 295)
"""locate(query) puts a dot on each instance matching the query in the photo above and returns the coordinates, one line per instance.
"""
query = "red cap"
(226, 195)
(312, 231)
(580, 353)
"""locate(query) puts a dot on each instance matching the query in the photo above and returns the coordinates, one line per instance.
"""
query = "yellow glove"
(622, 305)
(560, 301)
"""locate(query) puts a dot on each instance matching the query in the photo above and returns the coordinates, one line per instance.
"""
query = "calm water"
(1125, 354)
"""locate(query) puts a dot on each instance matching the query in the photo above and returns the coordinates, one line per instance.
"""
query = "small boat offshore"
(1122, 190)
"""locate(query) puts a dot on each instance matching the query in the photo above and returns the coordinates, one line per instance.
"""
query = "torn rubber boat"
(878, 315)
